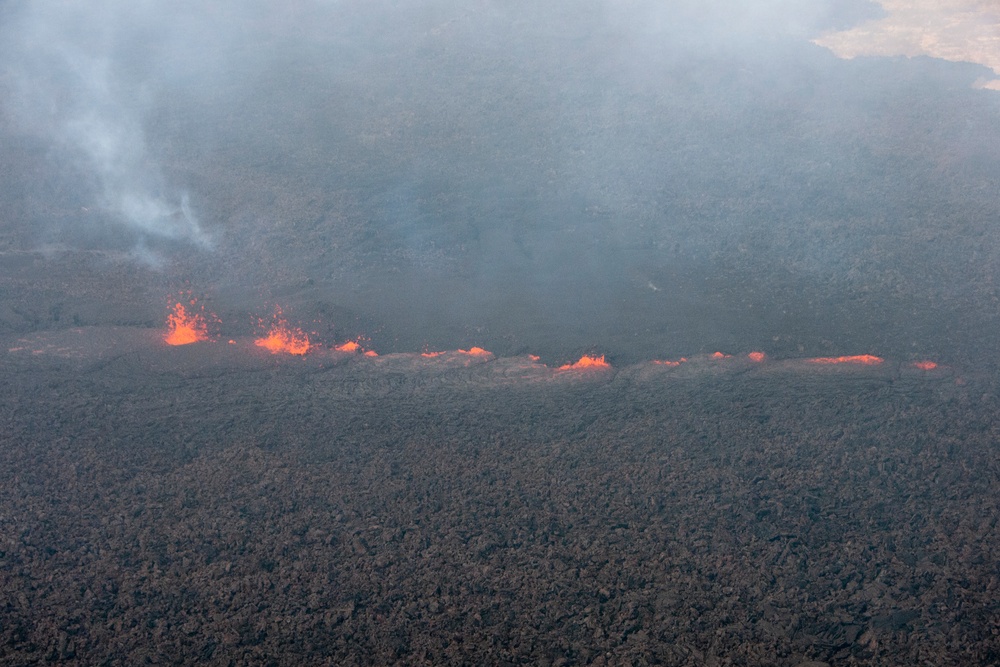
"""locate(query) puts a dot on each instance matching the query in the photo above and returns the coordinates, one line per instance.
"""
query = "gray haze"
(646, 178)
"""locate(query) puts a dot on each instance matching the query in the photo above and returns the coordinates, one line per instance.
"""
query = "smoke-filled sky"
(756, 173)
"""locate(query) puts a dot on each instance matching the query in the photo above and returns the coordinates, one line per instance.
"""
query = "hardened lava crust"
(220, 504)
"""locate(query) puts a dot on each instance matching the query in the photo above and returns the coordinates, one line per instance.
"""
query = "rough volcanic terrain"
(642, 181)
(217, 504)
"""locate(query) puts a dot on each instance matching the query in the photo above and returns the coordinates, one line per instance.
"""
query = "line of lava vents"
(187, 324)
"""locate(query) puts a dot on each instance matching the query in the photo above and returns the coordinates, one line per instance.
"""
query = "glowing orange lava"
(283, 338)
(184, 328)
(586, 361)
(188, 322)
(859, 359)
(355, 346)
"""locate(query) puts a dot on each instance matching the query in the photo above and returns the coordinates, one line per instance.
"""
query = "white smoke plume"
(68, 84)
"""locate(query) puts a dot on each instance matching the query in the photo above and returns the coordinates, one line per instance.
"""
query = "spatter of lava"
(284, 338)
(476, 352)
(187, 325)
(355, 346)
(586, 361)
(183, 327)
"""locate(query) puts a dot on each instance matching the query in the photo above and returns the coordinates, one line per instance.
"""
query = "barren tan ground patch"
(954, 30)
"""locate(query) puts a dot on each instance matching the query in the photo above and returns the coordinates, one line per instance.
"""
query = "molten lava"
(283, 338)
(184, 328)
(859, 359)
(189, 323)
(355, 346)
(586, 361)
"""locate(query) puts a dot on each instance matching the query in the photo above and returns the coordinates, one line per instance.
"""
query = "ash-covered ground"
(616, 179)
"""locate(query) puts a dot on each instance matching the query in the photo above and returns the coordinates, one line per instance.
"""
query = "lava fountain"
(586, 362)
(476, 352)
(183, 327)
(354, 346)
(283, 338)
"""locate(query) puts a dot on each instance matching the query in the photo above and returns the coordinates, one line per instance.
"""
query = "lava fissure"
(186, 326)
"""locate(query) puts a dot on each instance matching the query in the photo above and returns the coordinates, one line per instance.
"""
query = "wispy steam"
(69, 85)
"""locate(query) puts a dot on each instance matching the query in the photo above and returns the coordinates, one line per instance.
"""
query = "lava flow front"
(184, 328)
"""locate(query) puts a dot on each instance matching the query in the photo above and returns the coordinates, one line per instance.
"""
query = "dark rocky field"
(535, 180)
(216, 504)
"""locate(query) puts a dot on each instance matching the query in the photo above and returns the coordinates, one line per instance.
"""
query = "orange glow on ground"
(187, 323)
(586, 361)
(283, 338)
(355, 346)
(184, 328)
(860, 359)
